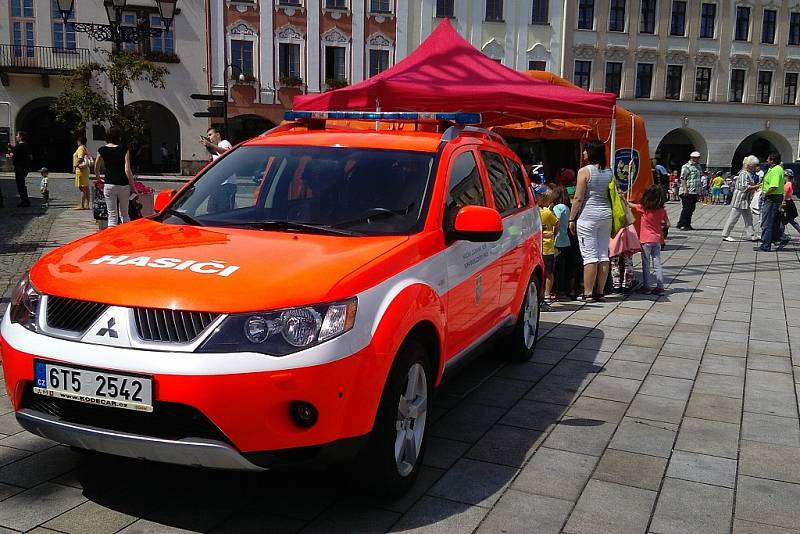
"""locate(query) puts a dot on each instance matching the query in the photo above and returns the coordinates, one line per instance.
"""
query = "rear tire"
(521, 343)
(397, 443)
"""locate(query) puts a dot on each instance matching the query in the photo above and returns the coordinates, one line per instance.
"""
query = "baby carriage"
(99, 208)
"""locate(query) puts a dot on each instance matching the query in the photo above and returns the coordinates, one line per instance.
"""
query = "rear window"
(502, 190)
(365, 191)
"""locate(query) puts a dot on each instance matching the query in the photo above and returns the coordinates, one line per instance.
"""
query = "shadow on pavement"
(485, 425)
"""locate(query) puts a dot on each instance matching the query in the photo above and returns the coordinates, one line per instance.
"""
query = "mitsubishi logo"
(110, 330)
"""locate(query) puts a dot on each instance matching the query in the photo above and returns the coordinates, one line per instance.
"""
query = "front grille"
(171, 326)
(72, 315)
(168, 420)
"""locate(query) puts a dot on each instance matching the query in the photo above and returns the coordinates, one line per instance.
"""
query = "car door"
(517, 264)
(507, 251)
(472, 276)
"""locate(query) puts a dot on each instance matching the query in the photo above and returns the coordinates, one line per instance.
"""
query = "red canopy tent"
(446, 73)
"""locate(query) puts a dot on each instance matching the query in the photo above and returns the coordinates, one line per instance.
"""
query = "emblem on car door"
(478, 289)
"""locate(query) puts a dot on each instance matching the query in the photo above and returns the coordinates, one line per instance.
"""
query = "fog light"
(303, 413)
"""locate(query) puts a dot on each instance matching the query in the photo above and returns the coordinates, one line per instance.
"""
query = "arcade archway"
(760, 144)
(159, 149)
(674, 149)
(51, 140)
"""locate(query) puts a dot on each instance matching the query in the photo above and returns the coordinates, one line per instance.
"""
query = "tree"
(86, 99)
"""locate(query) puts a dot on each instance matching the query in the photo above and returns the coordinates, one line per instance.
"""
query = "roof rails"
(404, 116)
(457, 130)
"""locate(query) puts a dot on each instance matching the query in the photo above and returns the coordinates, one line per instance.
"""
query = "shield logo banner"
(626, 167)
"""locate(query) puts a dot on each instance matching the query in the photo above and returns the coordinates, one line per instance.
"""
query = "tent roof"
(446, 73)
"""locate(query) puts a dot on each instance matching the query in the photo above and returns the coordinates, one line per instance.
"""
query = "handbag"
(621, 214)
(755, 203)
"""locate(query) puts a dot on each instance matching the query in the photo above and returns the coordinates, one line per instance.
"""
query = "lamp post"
(115, 32)
(225, 104)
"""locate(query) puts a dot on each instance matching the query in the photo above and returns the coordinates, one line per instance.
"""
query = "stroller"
(100, 208)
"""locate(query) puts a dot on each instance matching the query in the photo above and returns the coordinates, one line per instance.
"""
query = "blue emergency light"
(457, 118)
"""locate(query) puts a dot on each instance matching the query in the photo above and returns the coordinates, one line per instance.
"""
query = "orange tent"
(631, 161)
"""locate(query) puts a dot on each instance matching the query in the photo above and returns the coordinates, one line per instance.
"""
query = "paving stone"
(641, 340)
(39, 467)
(702, 468)
(612, 388)
(90, 518)
(674, 367)
(771, 429)
(558, 389)
(681, 351)
(723, 365)
(442, 452)
(714, 438)
(726, 386)
(27, 441)
(764, 380)
(534, 415)
(591, 408)
(782, 403)
(144, 526)
(768, 347)
(428, 476)
(9, 425)
(690, 508)
(474, 482)
(777, 364)
(768, 501)
(714, 408)
(506, 445)
(499, 392)
(626, 369)
(586, 436)
(576, 368)
(657, 408)
(344, 518)
(448, 517)
(517, 513)
(33, 507)
(586, 355)
(666, 386)
(766, 460)
(247, 521)
(748, 527)
(635, 354)
(558, 474)
(527, 371)
(467, 422)
(644, 437)
(728, 348)
(606, 507)
(597, 343)
(631, 469)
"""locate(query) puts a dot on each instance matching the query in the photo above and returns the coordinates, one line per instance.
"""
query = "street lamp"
(114, 31)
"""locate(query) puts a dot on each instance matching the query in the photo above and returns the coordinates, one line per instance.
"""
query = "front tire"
(522, 340)
(397, 443)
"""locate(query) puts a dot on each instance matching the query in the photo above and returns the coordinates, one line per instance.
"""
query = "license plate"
(94, 386)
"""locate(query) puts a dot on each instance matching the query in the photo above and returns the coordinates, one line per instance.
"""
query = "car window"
(502, 190)
(464, 187)
(519, 181)
(366, 191)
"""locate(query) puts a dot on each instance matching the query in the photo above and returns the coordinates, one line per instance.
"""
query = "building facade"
(718, 76)
(37, 51)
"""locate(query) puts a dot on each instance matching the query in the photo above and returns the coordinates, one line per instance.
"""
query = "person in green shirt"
(690, 188)
(772, 193)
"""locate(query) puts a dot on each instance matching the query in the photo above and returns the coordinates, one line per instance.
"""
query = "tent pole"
(613, 135)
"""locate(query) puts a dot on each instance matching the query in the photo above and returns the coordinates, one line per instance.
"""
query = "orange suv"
(300, 299)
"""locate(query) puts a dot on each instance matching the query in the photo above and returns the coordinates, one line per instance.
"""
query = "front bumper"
(187, 451)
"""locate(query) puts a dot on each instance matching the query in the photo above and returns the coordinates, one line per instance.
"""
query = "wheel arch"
(425, 333)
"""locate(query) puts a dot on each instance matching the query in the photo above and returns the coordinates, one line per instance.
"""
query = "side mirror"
(478, 224)
(162, 199)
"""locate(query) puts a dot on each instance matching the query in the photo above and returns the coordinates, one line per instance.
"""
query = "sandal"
(584, 298)
(599, 298)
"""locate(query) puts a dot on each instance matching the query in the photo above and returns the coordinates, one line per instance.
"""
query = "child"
(716, 189)
(549, 230)
(654, 219)
(565, 270)
(43, 187)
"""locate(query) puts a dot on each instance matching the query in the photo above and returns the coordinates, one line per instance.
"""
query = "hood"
(154, 265)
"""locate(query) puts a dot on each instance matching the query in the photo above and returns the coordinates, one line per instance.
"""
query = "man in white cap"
(690, 185)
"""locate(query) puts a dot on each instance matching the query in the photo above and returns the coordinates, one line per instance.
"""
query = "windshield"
(355, 191)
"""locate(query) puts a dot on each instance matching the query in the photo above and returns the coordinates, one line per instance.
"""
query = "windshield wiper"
(290, 225)
(374, 213)
(185, 217)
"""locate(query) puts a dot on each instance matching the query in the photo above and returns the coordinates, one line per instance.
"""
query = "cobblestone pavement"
(636, 415)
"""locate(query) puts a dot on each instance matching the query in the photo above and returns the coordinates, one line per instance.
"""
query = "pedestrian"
(740, 202)
(674, 185)
(590, 220)
(116, 158)
(81, 163)
(772, 193)
(690, 189)
(705, 180)
(43, 188)
(565, 263)
(550, 226)
(654, 219)
(23, 162)
(789, 209)
(214, 143)
(716, 188)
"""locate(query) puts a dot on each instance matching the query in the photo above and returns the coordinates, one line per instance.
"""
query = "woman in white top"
(740, 203)
(590, 220)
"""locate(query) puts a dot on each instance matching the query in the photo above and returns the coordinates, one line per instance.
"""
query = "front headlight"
(25, 304)
(282, 332)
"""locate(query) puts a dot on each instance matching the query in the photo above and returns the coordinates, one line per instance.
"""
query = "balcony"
(41, 59)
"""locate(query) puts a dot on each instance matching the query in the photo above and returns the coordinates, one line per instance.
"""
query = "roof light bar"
(458, 118)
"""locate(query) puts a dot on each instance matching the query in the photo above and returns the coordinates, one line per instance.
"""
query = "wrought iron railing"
(41, 59)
